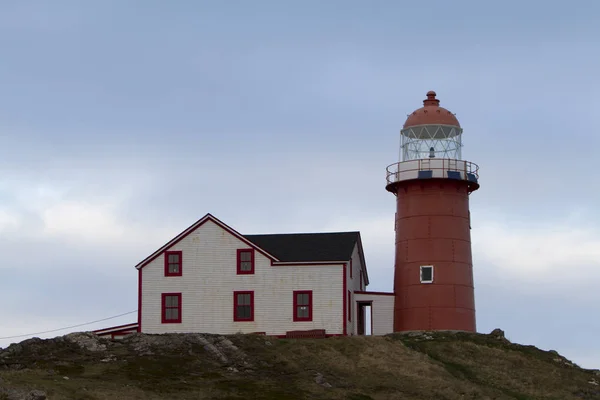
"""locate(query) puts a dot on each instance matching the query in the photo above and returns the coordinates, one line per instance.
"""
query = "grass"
(447, 366)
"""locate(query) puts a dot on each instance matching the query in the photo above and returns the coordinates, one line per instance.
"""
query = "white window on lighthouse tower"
(427, 274)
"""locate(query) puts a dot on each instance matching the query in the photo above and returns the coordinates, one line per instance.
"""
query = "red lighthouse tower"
(433, 274)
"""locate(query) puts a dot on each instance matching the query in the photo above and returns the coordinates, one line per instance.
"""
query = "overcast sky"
(123, 122)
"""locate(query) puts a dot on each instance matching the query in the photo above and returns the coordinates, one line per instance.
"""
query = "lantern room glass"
(430, 141)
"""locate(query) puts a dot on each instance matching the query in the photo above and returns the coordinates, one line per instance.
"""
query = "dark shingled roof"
(301, 247)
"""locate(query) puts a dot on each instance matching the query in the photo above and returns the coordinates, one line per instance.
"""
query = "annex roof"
(300, 247)
(311, 247)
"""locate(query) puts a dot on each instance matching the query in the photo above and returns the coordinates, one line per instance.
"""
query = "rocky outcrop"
(442, 364)
(12, 394)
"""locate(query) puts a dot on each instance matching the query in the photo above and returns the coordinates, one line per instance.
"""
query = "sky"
(122, 123)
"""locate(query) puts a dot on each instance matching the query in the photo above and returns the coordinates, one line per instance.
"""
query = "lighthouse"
(433, 269)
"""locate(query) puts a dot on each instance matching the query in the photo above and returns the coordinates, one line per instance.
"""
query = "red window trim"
(350, 268)
(310, 306)
(164, 309)
(349, 306)
(235, 317)
(167, 254)
(239, 262)
(344, 299)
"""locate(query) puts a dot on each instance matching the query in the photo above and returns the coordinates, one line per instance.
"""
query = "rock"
(139, 343)
(66, 378)
(594, 382)
(13, 349)
(497, 334)
(564, 361)
(86, 340)
(36, 395)
(320, 379)
(110, 358)
(11, 394)
(211, 348)
(228, 344)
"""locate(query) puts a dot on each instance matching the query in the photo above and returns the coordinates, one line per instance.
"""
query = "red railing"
(394, 173)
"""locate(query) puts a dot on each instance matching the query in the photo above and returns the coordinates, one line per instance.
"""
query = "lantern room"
(431, 132)
(430, 147)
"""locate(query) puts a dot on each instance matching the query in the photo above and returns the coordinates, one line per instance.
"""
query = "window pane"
(245, 256)
(426, 273)
(173, 258)
(172, 313)
(173, 268)
(243, 299)
(302, 299)
(243, 311)
(246, 266)
(302, 312)
(172, 301)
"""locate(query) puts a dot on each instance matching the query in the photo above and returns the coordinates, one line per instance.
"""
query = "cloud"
(562, 252)
(558, 257)
(82, 221)
(8, 221)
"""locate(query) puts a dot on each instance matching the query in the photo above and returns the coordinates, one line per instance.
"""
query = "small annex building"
(212, 279)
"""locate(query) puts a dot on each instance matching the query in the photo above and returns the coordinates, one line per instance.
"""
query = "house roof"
(307, 247)
(192, 228)
(287, 247)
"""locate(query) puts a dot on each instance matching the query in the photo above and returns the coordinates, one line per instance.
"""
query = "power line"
(67, 327)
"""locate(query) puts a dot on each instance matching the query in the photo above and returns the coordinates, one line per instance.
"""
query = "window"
(427, 274)
(243, 306)
(245, 261)
(349, 306)
(173, 263)
(171, 308)
(303, 305)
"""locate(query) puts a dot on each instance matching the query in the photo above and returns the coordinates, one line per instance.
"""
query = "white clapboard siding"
(353, 285)
(209, 279)
(382, 311)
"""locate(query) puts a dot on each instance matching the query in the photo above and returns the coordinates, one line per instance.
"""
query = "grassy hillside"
(197, 366)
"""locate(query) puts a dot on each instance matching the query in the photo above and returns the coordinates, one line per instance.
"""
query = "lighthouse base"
(433, 274)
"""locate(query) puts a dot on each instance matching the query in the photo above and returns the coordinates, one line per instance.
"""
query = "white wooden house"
(212, 279)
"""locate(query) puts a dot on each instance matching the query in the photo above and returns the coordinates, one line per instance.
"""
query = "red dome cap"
(431, 114)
